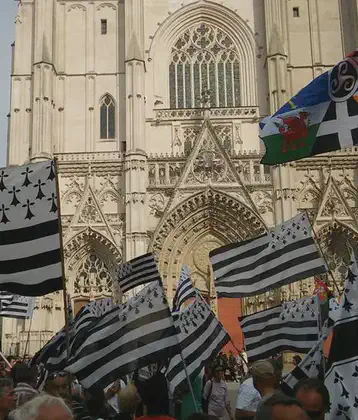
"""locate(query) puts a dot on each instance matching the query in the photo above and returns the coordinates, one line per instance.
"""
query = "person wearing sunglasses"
(58, 384)
(314, 397)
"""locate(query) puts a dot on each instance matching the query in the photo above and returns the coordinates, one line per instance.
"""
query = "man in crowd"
(58, 384)
(7, 398)
(314, 397)
(280, 407)
(263, 382)
(24, 378)
(43, 407)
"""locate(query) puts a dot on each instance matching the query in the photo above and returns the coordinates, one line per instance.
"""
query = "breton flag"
(15, 306)
(185, 289)
(30, 255)
(321, 118)
(138, 271)
(54, 354)
(291, 326)
(131, 336)
(309, 367)
(342, 368)
(201, 337)
(281, 256)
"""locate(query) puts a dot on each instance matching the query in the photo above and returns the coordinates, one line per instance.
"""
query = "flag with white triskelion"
(292, 326)
(283, 255)
(137, 272)
(201, 337)
(30, 257)
(342, 368)
(15, 306)
(185, 289)
(133, 335)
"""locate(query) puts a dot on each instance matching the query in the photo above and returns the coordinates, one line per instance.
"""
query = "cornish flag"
(292, 326)
(30, 256)
(281, 256)
(342, 369)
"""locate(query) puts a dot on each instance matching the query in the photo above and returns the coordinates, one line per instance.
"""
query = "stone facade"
(152, 108)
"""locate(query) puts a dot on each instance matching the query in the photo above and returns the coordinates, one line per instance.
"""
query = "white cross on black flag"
(30, 255)
(339, 127)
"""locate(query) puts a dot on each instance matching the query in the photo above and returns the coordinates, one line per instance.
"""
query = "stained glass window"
(108, 118)
(204, 59)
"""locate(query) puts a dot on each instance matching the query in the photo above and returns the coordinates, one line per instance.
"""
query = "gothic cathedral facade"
(152, 108)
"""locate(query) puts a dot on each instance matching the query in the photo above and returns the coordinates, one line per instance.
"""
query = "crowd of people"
(26, 395)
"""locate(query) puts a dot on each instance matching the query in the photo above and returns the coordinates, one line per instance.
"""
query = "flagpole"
(28, 337)
(189, 383)
(323, 256)
(65, 303)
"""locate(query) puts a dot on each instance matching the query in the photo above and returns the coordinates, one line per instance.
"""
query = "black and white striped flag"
(309, 367)
(281, 256)
(201, 337)
(185, 289)
(15, 306)
(131, 336)
(291, 326)
(54, 354)
(342, 367)
(138, 271)
(30, 257)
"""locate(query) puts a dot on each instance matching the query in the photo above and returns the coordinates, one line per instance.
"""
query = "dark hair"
(154, 394)
(5, 383)
(276, 364)
(313, 384)
(23, 373)
(264, 411)
(200, 416)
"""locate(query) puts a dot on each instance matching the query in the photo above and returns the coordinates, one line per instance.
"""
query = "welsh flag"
(321, 290)
(321, 118)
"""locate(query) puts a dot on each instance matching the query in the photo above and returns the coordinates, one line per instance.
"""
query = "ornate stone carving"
(263, 201)
(93, 277)
(156, 204)
(135, 197)
(334, 207)
(209, 165)
(90, 213)
(109, 5)
(77, 7)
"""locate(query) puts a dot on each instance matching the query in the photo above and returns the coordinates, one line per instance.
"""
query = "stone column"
(283, 176)
(136, 173)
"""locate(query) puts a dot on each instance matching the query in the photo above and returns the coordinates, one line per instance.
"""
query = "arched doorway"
(203, 222)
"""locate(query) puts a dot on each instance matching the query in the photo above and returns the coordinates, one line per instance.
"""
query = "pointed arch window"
(204, 69)
(108, 118)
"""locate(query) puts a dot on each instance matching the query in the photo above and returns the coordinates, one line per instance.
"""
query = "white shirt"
(248, 397)
(113, 402)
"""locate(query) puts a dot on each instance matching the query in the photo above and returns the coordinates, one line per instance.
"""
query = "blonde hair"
(128, 399)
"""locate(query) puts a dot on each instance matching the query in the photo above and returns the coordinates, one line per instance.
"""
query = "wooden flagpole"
(65, 303)
(28, 337)
(323, 256)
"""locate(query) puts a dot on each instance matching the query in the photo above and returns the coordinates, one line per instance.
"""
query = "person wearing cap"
(216, 393)
(263, 382)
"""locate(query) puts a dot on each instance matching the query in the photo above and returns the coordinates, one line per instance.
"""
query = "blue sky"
(7, 36)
